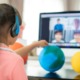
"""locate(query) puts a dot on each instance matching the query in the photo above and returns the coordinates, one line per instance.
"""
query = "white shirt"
(54, 41)
(73, 41)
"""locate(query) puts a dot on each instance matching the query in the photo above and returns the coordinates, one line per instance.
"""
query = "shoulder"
(11, 56)
(15, 56)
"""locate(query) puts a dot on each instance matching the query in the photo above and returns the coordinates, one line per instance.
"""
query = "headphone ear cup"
(13, 31)
(16, 28)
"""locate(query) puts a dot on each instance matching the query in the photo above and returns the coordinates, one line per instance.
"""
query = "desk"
(36, 72)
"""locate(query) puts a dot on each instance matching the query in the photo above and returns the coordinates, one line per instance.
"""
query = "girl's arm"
(24, 50)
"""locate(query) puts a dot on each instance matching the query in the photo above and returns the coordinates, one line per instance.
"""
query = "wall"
(73, 5)
(4, 1)
(31, 11)
(18, 4)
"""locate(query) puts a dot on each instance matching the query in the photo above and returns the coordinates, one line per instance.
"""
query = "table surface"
(35, 70)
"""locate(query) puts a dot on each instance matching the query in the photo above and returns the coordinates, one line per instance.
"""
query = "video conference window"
(61, 29)
(65, 30)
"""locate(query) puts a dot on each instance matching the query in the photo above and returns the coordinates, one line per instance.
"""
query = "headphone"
(16, 27)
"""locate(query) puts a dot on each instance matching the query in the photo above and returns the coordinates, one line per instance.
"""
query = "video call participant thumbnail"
(58, 37)
(76, 38)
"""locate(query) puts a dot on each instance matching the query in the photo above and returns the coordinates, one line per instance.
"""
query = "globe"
(51, 58)
(52, 75)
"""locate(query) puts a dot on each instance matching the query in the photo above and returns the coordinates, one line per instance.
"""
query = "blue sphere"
(51, 58)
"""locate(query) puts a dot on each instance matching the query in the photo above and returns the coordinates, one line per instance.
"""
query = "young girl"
(11, 64)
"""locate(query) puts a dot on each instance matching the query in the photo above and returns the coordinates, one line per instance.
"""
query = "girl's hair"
(7, 15)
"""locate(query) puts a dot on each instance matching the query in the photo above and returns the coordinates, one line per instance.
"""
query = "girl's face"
(21, 31)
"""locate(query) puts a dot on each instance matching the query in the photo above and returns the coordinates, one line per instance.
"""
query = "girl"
(11, 64)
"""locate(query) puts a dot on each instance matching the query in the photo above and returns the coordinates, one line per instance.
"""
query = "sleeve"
(19, 71)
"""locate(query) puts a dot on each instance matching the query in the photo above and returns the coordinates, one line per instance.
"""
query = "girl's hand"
(41, 43)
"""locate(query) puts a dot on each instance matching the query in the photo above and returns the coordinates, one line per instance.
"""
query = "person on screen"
(58, 37)
(76, 37)
(76, 24)
(58, 26)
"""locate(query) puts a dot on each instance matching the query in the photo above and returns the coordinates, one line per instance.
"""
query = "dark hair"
(58, 31)
(58, 19)
(7, 15)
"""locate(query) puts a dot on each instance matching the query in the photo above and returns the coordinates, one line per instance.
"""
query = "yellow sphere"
(75, 62)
